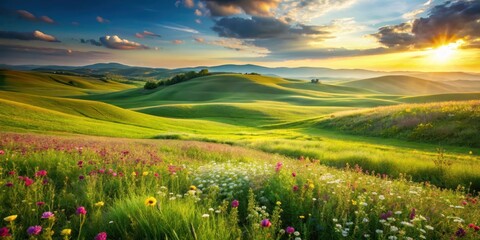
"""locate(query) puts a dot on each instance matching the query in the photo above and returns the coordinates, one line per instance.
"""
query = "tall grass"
(167, 189)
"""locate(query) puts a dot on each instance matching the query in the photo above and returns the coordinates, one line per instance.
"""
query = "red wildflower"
(412, 214)
(235, 203)
(81, 211)
(101, 236)
(4, 232)
(41, 173)
(278, 166)
(28, 181)
(266, 223)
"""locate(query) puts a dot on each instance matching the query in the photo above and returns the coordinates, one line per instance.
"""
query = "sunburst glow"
(445, 53)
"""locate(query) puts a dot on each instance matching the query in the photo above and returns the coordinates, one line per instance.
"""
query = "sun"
(444, 53)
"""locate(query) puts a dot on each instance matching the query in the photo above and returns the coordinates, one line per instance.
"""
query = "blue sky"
(178, 33)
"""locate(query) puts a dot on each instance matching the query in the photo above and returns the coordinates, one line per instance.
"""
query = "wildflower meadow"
(102, 188)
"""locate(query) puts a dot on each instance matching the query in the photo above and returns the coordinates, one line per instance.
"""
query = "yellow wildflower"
(150, 201)
(66, 232)
(99, 204)
(10, 218)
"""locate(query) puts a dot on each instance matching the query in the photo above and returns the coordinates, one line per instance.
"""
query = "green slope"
(402, 85)
(455, 123)
(441, 98)
(31, 107)
(48, 84)
(236, 88)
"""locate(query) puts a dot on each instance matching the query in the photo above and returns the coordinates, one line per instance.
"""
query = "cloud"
(146, 34)
(264, 28)
(324, 53)
(198, 21)
(46, 19)
(218, 8)
(199, 39)
(18, 54)
(300, 11)
(198, 12)
(186, 3)
(115, 42)
(240, 45)
(414, 13)
(305, 10)
(446, 23)
(28, 36)
(102, 20)
(91, 41)
(26, 15)
(181, 28)
(177, 42)
(30, 17)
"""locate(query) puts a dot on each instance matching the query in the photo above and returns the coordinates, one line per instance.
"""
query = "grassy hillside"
(24, 111)
(236, 88)
(455, 123)
(441, 98)
(402, 85)
(48, 84)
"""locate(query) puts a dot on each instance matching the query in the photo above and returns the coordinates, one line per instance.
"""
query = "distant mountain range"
(324, 74)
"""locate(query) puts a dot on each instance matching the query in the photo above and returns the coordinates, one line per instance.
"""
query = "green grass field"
(390, 130)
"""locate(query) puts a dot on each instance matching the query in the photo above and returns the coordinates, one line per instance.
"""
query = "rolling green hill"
(402, 85)
(48, 84)
(456, 123)
(237, 88)
(25, 111)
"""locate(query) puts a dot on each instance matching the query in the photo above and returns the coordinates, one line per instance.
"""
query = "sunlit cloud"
(146, 34)
(102, 20)
(446, 23)
(28, 36)
(24, 14)
(177, 42)
(115, 42)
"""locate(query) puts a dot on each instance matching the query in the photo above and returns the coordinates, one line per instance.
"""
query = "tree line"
(152, 84)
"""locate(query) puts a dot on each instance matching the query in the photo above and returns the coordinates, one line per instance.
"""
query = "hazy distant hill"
(306, 73)
(402, 85)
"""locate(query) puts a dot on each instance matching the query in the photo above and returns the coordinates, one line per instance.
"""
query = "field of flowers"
(104, 188)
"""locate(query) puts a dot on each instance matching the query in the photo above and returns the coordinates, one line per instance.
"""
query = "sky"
(388, 35)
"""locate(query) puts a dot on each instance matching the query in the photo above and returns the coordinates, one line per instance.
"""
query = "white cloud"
(115, 42)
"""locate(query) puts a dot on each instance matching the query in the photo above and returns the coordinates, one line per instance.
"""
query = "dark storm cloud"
(263, 28)
(91, 41)
(28, 36)
(446, 23)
